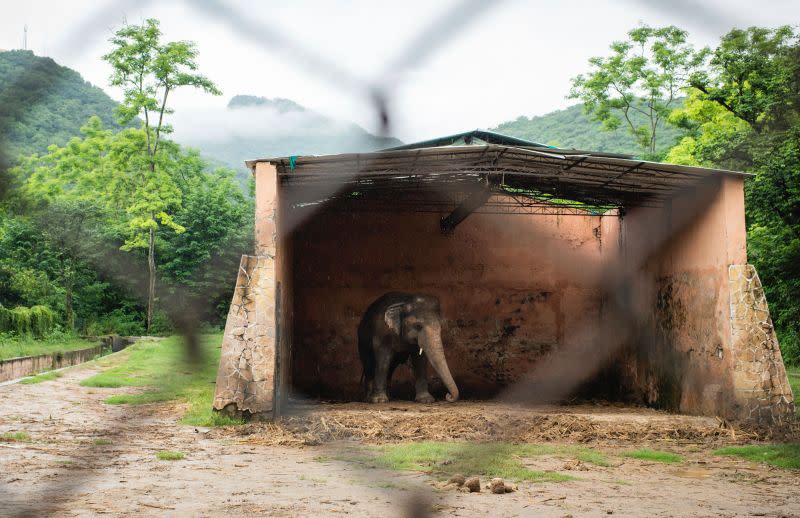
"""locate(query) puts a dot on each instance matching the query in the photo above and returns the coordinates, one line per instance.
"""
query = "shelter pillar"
(711, 349)
(245, 386)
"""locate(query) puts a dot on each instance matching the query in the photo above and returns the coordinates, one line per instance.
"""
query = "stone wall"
(762, 389)
(245, 380)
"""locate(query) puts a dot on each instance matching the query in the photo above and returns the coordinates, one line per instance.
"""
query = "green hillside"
(43, 103)
(571, 128)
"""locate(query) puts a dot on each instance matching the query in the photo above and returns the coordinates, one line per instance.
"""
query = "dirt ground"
(87, 458)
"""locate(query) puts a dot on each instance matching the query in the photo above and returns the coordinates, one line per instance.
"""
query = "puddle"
(692, 473)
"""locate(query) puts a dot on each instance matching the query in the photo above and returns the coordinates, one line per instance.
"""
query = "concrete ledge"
(22, 366)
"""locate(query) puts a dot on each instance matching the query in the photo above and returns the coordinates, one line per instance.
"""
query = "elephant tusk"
(420, 351)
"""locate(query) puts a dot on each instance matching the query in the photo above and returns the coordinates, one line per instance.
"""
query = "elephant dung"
(473, 484)
(457, 479)
(497, 486)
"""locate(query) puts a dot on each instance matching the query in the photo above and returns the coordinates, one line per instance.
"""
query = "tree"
(219, 229)
(98, 178)
(148, 71)
(644, 75)
(715, 137)
(69, 227)
(754, 74)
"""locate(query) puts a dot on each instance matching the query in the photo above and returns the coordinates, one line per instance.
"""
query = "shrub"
(37, 321)
(119, 322)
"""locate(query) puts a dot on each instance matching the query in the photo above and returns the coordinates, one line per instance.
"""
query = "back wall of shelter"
(507, 297)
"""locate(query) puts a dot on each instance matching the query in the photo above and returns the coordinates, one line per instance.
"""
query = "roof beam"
(472, 203)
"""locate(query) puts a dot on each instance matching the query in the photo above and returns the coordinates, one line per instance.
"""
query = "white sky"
(515, 58)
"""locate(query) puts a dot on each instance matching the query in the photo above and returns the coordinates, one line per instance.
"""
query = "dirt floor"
(87, 458)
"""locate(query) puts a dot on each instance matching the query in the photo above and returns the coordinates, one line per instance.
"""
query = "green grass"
(46, 376)
(779, 455)
(794, 382)
(14, 347)
(590, 456)
(170, 455)
(102, 441)
(164, 372)
(656, 456)
(499, 459)
(15, 437)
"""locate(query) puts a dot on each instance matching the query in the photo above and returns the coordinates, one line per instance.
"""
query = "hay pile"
(397, 422)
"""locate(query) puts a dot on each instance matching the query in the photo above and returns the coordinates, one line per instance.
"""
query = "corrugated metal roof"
(507, 164)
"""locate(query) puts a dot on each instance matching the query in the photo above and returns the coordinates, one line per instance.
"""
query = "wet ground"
(88, 458)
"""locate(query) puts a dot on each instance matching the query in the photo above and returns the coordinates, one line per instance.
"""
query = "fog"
(216, 123)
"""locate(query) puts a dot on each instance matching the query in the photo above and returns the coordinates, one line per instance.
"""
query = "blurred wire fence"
(561, 373)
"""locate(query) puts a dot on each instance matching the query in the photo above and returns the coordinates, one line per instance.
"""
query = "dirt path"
(69, 468)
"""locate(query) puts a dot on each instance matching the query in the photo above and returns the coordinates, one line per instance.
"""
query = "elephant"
(396, 327)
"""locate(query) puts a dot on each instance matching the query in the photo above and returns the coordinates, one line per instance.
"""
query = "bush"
(118, 322)
(789, 340)
(161, 325)
(38, 321)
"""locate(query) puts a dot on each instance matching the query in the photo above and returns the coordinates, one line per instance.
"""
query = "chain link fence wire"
(557, 375)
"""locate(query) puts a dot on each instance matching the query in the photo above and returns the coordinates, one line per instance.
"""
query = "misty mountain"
(43, 103)
(572, 128)
(259, 127)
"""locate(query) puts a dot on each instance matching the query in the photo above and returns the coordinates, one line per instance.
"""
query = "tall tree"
(148, 71)
(754, 74)
(643, 75)
(98, 178)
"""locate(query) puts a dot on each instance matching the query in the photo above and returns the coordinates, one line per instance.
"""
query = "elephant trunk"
(435, 353)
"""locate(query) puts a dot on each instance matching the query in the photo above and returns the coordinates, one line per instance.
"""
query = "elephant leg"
(383, 361)
(420, 364)
(396, 362)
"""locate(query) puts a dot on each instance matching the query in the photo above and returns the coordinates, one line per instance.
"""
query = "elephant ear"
(392, 317)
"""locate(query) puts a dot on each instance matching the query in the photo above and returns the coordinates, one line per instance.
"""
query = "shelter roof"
(464, 162)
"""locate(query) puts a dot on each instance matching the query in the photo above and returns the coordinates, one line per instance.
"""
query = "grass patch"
(170, 455)
(167, 375)
(500, 459)
(794, 382)
(45, 376)
(19, 346)
(102, 441)
(15, 437)
(590, 456)
(656, 456)
(785, 456)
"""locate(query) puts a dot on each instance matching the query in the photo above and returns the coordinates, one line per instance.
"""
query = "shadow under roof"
(465, 162)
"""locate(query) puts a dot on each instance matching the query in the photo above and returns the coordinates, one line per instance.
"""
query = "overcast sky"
(512, 58)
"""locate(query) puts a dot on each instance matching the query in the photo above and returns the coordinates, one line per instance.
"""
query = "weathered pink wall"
(683, 361)
(507, 297)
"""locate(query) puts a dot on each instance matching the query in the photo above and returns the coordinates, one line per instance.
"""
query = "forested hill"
(43, 103)
(572, 128)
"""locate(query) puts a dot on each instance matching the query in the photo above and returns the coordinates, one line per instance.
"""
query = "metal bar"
(467, 207)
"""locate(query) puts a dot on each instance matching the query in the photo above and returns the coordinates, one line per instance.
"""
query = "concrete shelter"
(632, 274)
